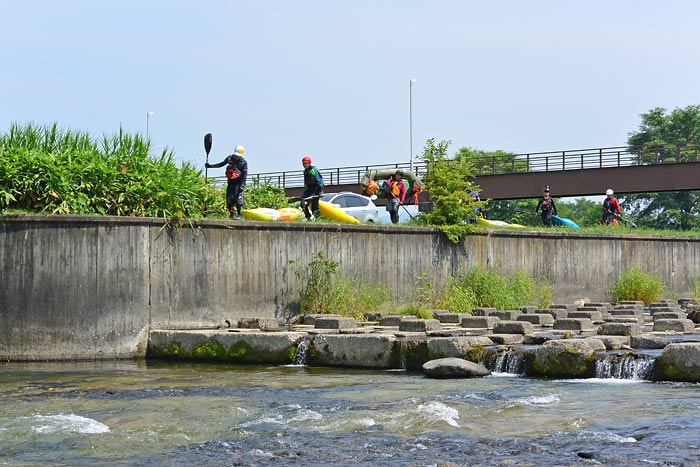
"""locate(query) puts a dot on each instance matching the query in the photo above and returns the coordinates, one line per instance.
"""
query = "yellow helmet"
(239, 150)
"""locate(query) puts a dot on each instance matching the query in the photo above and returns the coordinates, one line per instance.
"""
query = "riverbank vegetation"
(633, 284)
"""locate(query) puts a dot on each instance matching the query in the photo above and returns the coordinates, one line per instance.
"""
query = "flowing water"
(156, 414)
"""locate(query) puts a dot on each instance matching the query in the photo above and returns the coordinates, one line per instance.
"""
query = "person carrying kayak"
(237, 173)
(611, 209)
(395, 190)
(546, 204)
(313, 188)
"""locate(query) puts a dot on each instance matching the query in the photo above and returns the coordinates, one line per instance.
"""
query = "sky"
(330, 79)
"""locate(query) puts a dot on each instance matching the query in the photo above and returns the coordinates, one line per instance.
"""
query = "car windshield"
(327, 198)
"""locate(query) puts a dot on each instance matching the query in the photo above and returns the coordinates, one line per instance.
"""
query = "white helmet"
(609, 192)
(239, 150)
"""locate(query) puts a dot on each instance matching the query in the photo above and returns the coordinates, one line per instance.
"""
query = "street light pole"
(410, 119)
(148, 116)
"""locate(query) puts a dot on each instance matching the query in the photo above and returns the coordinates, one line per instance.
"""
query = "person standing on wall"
(546, 204)
(395, 190)
(611, 209)
(313, 188)
(237, 173)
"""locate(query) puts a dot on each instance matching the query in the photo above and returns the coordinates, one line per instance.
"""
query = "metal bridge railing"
(576, 159)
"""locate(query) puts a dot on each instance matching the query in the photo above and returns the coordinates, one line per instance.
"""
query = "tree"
(449, 184)
(492, 162)
(664, 137)
(667, 137)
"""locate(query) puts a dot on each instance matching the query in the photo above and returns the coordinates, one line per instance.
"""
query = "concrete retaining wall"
(91, 287)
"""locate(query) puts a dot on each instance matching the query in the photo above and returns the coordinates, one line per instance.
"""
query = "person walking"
(395, 190)
(236, 173)
(611, 209)
(546, 205)
(313, 188)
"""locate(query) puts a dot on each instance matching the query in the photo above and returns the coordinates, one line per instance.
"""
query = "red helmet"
(306, 160)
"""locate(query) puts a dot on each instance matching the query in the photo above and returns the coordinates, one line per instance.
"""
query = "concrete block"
(538, 338)
(482, 311)
(447, 317)
(564, 306)
(506, 339)
(505, 315)
(479, 322)
(670, 315)
(679, 325)
(637, 303)
(619, 329)
(666, 309)
(335, 323)
(264, 324)
(539, 319)
(624, 319)
(419, 325)
(352, 350)
(648, 341)
(528, 309)
(513, 327)
(614, 342)
(573, 324)
(595, 316)
(442, 347)
(310, 319)
(394, 320)
(555, 312)
(604, 305)
(627, 312)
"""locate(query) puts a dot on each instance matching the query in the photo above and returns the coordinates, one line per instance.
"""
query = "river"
(156, 414)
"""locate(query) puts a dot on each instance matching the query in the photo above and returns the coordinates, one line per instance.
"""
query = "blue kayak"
(563, 221)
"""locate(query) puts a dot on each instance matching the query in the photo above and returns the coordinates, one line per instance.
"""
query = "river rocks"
(679, 362)
(467, 347)
(566, 358)
(453, 368)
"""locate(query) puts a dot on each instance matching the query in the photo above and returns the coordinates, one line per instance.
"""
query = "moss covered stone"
(210, 350)
(570, 358)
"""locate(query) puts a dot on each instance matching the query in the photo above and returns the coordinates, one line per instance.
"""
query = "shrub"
(325, 290)
(634, 284)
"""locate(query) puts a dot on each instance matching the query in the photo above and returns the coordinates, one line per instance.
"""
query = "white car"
(360, 207)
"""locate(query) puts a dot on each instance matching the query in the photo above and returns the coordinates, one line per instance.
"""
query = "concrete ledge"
(361, 351)
(419, 325)
(467, 347)
(513, 327)
(619, 329)
(678, 325)
(539, 319)
(479, 322)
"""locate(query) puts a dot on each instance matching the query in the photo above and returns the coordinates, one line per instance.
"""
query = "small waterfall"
(624, 367)
(301, 352)
(508, 361)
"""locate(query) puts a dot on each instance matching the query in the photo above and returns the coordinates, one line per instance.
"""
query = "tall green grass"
(45, 169)
(634, 284)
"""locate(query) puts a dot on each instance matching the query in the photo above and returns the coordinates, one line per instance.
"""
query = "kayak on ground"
(333, 212)
(563, 221)
(494, 223)
(267, 214)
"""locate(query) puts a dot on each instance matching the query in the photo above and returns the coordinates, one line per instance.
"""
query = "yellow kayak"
(267, 214)
(333, 212)
(490, 223)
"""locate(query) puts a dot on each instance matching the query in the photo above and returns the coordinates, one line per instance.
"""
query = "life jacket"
(232, 172)
(546, 204)
(395, 189)
(371, 188)
(607, 205)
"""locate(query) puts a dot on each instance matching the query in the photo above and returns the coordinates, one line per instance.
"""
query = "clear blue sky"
(331, 78)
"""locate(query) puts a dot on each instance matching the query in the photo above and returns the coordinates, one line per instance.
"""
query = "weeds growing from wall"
(325, 290)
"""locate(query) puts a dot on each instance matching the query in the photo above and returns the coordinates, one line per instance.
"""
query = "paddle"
(294, 199)
(207, 148)
(618, 216)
